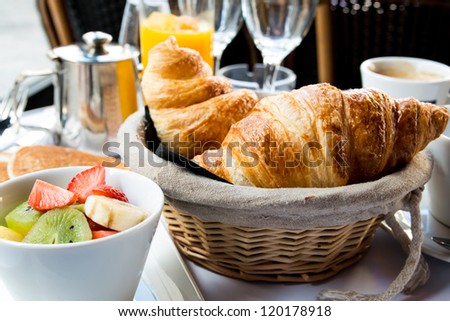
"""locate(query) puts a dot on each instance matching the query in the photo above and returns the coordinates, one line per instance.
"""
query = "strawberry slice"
(111, 192)
(84, 182)
(94, 226)
(102, 233)
(45, 196)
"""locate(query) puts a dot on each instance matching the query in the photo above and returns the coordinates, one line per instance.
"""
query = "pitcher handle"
(15, 101)
(18, 95)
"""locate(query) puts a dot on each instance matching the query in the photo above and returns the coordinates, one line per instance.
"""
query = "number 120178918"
(296, 310)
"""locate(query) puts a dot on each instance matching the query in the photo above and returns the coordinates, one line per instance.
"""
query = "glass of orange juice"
(191, 22)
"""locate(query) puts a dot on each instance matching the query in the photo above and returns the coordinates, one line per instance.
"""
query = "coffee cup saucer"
(430, 227)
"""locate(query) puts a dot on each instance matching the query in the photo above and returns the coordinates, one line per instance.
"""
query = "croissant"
(320, 136)
(190, 108)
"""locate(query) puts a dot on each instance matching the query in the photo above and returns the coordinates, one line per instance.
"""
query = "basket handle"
(415, 272)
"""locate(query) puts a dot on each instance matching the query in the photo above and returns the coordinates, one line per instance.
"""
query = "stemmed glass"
(129, 30)
(228, 21)
(277, 27)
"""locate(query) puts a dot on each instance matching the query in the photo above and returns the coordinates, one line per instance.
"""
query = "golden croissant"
(320, 136)
(191, 108)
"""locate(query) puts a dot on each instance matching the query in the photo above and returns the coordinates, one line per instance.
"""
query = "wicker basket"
(272, 234)
(274, 255)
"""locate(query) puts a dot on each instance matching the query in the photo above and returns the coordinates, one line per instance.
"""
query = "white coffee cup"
(401, 77)
(439, 184)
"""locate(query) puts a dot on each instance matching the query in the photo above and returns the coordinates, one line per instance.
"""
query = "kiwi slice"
(22, 218)
(58, 226)
(78, 206)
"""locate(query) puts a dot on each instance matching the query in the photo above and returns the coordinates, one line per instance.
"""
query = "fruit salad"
(87, 209)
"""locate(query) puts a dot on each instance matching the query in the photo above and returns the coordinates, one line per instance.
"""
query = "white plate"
(430, 227)
(173, 280)
(165, 276)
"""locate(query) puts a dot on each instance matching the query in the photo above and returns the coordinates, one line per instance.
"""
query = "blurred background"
(28, 32)
(24, 42)
(344, 34)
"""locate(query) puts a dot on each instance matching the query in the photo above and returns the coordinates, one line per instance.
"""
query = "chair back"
(351, 31)
(65, 21)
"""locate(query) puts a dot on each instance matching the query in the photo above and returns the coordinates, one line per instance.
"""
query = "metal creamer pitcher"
(96, 89)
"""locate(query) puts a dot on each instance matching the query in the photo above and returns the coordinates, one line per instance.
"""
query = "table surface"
(373, 274)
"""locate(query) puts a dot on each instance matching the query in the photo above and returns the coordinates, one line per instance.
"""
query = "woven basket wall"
(275, 255)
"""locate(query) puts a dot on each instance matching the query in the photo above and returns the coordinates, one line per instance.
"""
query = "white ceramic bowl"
(104, 269)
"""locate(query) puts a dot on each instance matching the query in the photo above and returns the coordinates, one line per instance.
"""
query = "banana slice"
(9, 234)
(112, 213)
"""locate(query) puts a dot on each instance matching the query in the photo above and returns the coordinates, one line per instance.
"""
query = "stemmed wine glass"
(277, 27)
(228, 21)
(129, 30)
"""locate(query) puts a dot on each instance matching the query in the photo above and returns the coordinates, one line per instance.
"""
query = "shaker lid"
(97, 48)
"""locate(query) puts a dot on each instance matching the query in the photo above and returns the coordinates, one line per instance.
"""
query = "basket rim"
(197, 191)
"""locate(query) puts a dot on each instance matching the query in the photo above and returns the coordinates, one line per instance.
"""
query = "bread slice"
(3, 171)
(4, 159)
(38, 157)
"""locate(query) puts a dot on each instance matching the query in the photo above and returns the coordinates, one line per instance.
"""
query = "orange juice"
(189, 32)
(126, 82)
